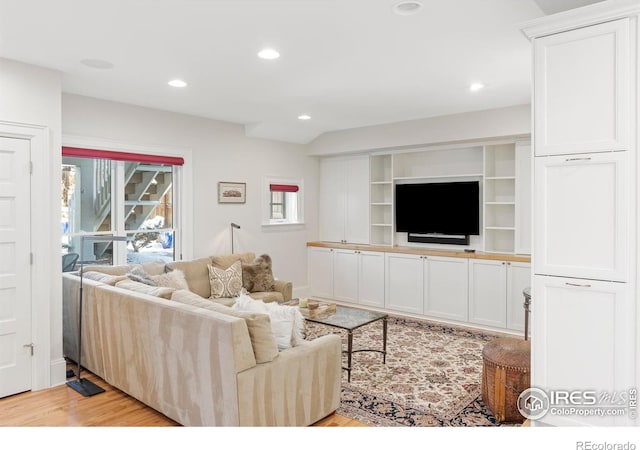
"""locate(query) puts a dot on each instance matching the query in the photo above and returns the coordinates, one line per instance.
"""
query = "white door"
(333, 199)
(518, 278)
(345, 275)
(524, 183)
(15, 270)
(581, 92)
(371, 278)
(320, 271)
(581, 216)
(357, 206)
(446, 287)
(403, 282)
(488, 292)
(583, 339)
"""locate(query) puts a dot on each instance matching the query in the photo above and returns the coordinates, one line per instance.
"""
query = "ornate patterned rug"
(432, 375)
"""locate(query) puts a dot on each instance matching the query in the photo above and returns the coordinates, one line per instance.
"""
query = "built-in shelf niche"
(444, 163)
(381, 199)
(499, 198)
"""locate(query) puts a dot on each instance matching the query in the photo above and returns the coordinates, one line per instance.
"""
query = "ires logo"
(534, 403)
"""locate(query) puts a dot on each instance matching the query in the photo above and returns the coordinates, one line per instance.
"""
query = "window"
(121, 194)
(283, 201)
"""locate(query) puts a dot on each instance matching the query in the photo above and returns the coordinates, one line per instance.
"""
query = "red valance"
(121, 156)
(284, 188)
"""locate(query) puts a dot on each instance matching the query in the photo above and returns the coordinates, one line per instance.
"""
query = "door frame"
(47, 365)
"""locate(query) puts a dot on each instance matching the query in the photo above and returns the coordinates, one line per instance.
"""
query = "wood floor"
(62, 406)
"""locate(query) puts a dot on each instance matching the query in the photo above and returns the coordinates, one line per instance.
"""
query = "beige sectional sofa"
(195, 359)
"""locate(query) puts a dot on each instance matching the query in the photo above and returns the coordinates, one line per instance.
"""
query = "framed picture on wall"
(229, 192)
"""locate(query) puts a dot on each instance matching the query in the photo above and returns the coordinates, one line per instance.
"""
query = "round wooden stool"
(506, 372)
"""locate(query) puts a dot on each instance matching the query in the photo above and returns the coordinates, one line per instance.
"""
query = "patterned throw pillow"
(226, 283)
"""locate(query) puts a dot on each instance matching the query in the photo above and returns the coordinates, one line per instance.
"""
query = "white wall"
(220, 152)
(31, 95)
(472, 126)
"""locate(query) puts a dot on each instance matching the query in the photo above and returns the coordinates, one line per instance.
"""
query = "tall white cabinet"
(584, 311)
(344, 203)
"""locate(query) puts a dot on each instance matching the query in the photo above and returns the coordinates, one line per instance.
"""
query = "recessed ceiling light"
(474, 87)
(268, 53)
(304, 117)
(97, 64)
(177, 83)
(407, 7)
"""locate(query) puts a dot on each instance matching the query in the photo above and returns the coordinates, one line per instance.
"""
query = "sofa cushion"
(111, 270)
(257, 276)
(224, 261)
(154, 267)
(174, 279)
(268, 297)
(265, 347)
(287, 322)
(136, 286)
(138, 274)
(196, 274)
(103, 277)
(226, 282)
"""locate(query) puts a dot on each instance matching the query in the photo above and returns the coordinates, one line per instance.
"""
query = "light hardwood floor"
(62, 406)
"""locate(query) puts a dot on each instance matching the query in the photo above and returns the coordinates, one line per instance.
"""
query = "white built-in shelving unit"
(502, 169)
(381, 199)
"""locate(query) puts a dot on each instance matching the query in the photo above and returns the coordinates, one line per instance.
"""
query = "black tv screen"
(451, 208)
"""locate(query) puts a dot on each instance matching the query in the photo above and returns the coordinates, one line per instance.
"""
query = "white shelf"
(381, 199)
(440, 177)
(499, 198)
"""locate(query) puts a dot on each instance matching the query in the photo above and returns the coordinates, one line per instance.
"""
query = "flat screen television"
(450, 208)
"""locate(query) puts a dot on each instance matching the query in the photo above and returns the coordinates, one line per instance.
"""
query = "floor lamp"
(233, 225)
(84, 386)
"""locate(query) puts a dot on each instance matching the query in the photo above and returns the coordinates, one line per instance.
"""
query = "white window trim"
(183, 190)
(266, 200)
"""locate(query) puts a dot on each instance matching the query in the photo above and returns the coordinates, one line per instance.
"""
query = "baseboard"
(58, 372)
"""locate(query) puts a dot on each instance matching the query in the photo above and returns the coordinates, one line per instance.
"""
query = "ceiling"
(345, 63)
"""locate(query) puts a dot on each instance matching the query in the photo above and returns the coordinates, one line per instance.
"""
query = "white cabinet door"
(518, 278)
(345, 275)
(344, 199)
(488, 292)
(581, 90)
(357, 213)
(581, 215)
(403, 283)
(320, 275)
(524, 172)
(371, 278)
(332, 200)
(582, 339)
(446, 287)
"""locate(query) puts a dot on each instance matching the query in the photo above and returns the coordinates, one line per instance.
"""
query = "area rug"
(432, 375)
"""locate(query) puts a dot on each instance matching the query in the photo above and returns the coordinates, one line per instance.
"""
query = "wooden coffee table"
(351, 319)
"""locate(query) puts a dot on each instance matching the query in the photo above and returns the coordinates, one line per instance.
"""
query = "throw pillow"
(174, 279)
(287, 322)
(264, 345)
(258, 276)
(138, 274)
(103, 277)
(226, 282)
(156, 291)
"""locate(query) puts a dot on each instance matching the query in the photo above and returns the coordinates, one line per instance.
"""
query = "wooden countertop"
(424, 251)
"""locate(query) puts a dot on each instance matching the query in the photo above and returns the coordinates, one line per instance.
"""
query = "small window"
(283, 201)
